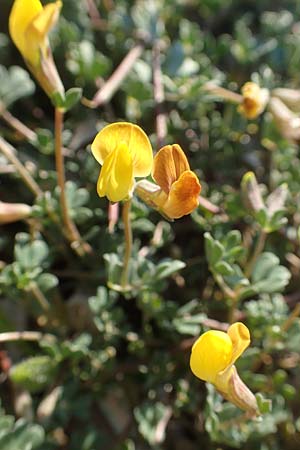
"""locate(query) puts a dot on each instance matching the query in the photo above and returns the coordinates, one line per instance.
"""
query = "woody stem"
(128, 242)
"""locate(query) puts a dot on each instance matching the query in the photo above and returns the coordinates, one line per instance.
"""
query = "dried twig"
(159, 96)
(106, 92)
(10, 153)
(26, 336)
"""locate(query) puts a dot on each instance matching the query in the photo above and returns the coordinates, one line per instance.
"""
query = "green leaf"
(58, 100)
(223, 268)
(167, 268)
(73, 96)
(264, 405)
(47, 281)
(31, 255)
(262, 218)
(214, 249)
(20, 436)
(35, 373)
(268, 275)
(232, 239)
(15, 84)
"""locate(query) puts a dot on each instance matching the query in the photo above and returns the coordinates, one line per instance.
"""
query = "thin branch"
(16, 124)
(159, 96)
(10, 336)
(94, 14)
(106, 92)
(291, 319)
(39, 296)
(10, 153)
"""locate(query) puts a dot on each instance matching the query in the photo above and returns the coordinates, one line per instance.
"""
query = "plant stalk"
(71, 231)
(128, 242)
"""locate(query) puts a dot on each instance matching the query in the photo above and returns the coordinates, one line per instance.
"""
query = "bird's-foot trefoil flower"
(212, 360)
(177, 188)
(29, 26)
(125, 152)
(254, 100)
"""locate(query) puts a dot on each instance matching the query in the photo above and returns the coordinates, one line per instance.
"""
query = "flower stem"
(17, 124)
(71, 231)
(39, 296)
(128, 243)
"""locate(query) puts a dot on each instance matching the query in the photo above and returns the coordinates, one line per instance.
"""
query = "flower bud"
(12, 212)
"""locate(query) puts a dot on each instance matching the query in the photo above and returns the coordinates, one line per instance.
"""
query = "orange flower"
(177, 190)
(179, 186)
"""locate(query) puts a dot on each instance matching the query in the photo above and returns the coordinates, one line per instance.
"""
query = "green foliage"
(34, 374)
(15, 84)
(107, 365)
(19, 435)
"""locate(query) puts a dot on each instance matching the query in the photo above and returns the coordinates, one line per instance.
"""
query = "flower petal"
(211, 354)
(183, 197)
(137, 142)
(116, 176)
(169, 163)
(22, 14)
(240, 338)
(254, 100)
(46, 19)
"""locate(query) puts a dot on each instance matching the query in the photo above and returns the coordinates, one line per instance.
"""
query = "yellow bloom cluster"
(125, 152)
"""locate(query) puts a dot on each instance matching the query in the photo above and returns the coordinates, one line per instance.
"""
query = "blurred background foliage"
(109, 370)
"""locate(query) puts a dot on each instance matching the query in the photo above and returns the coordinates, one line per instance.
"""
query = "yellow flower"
(213, 357)
(125, 152)
(29, 25)
(179, 186)
(254, 101)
